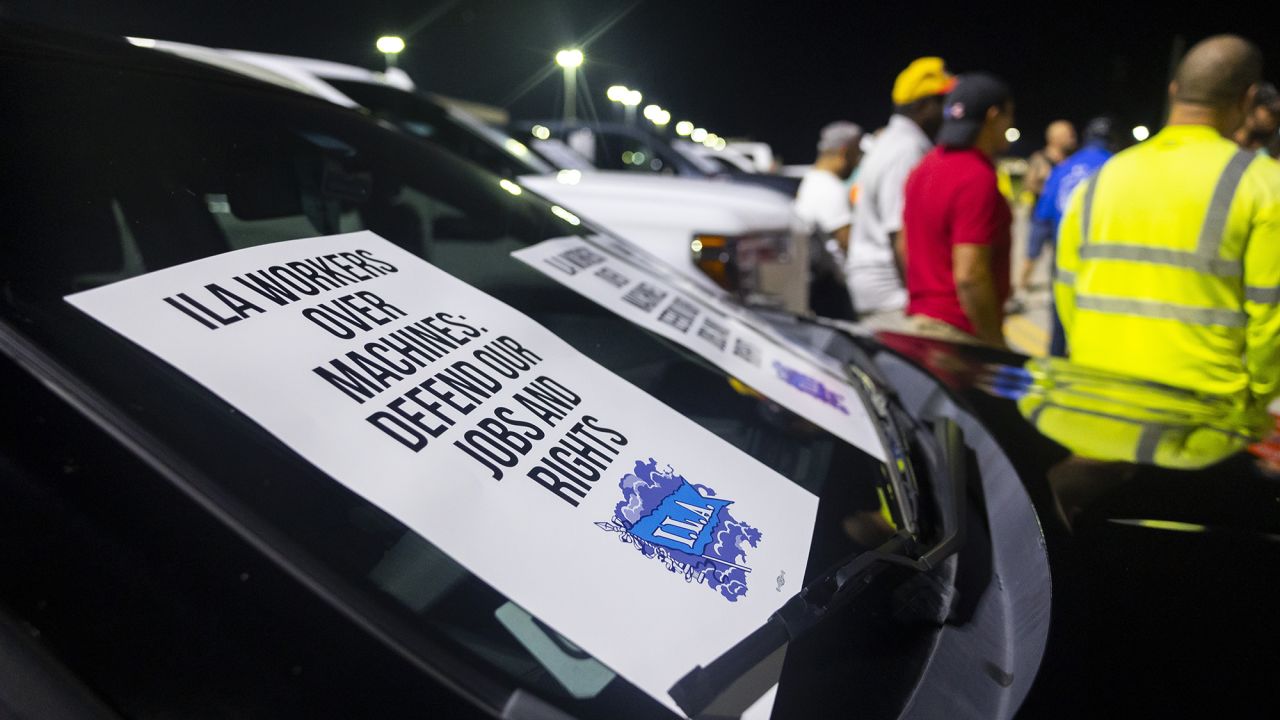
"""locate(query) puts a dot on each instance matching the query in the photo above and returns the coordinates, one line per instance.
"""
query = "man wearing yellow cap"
(873, 268)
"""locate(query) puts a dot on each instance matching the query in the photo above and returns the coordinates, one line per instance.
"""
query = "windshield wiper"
(754, 664)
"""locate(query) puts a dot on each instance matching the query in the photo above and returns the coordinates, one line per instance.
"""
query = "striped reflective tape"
(1206, 257)
(1162, 311)
(1086, 212)
(1262, 295)
(1163, 256)
(1148, 441)
(1214, 226)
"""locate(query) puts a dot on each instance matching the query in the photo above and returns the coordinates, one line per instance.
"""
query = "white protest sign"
(694, 282)
(471, 423)
(796, 381)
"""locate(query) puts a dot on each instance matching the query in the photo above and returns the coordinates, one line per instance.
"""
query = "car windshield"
(121, 162)
(453, 129)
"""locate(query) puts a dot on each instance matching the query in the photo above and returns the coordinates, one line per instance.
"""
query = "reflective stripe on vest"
(1206, 258)
(1262, 295)
(1162, 310)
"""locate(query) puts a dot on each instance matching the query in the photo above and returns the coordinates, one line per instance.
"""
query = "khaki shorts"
(932, 327)
(885, 320)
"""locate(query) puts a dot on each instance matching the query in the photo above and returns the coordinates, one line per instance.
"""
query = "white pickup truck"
(742, 239)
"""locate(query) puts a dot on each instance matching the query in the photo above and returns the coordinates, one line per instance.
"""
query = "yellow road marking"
(1026, 336)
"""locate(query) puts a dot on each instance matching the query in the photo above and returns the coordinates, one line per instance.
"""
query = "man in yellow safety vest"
(1169, 257)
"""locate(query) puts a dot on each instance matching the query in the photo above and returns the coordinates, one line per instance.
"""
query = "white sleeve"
(833, 210)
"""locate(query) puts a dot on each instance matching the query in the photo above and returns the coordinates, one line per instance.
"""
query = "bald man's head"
(1217, 72)
(1061, 135)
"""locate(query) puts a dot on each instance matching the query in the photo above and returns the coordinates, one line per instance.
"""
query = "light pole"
(570, 60)
(390, 46)
(630, 101)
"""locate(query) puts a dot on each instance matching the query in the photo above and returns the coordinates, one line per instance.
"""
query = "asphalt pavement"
(1028, 331)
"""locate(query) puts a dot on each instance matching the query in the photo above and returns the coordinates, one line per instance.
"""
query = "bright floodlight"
(390, 44)
(141, 42)
(662, 119)
(633, 98)
(1141, 133)
(683, 128)
(509, 186)
(570, 58)
(698, 135)
(651, 112)
(1012, 134)
(542, 132)
(617, 93)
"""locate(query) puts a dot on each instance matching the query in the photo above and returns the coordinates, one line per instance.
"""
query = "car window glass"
(121, 173)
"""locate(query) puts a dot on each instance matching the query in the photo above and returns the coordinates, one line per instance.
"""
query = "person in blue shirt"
(1099, 139)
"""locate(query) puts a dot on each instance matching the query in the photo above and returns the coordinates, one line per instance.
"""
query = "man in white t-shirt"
(874, 266)
(822, 203)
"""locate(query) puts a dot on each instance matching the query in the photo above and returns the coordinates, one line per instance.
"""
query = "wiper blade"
(757, 658)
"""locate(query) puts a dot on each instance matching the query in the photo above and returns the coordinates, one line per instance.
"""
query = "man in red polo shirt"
(956, 222)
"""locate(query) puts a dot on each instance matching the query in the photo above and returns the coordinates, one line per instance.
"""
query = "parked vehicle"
(744, 239)
(1159, 519)
(618, 146)
(164, 555)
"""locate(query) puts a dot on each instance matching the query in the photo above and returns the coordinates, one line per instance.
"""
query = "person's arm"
(976, 290)
(979, 215)
(1038, 169)
(1262, 301)
(841, 234)
(899, 240)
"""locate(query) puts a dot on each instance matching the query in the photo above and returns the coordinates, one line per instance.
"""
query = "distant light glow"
(662, 118)
(651, 111)
(683, 128)
(1012, 135)
(540, 131)
(626, 157)
(633, 98)
(515, 147)
(390, 44)
(710, 140)
(1141, 132)
(638, 158)
(617, 93)
(565, 215)
(698, 135)
(696, 245)
(141, 42)
(721, 144)
(569, 177)
(509, 186)
(569, 58)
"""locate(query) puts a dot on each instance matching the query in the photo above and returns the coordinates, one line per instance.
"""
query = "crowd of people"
(1165, 256)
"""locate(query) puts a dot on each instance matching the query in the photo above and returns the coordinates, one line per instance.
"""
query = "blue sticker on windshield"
(685, 527)
(810, 386)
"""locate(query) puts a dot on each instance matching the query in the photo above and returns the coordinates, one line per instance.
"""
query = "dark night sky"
(775, 71)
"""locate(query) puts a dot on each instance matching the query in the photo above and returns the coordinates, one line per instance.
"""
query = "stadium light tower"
(390, 46)
(570, 59)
